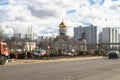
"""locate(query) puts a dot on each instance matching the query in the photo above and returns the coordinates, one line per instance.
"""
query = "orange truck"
(4, 53)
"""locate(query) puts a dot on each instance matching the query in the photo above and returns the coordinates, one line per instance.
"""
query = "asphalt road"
(93, 69)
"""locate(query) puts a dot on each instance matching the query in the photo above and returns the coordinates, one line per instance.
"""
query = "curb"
(31, 61)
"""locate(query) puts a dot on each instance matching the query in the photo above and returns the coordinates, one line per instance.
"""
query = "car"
(71, 53)
(113, 54)
(40, 53)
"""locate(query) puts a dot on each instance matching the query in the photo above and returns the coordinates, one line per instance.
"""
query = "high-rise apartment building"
(109, 35)
(90, 32)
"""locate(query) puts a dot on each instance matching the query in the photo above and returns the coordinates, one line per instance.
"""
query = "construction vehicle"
(4, 53)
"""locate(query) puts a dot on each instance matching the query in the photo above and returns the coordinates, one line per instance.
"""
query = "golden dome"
(62, 25)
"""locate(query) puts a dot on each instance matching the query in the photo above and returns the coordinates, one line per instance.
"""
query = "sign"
(48, 47)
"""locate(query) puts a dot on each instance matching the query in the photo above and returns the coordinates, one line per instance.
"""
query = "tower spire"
(62, 29)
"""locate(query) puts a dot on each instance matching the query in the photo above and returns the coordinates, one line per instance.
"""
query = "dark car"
(113, 54)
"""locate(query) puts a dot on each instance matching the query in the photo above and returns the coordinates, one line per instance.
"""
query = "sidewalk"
(29, 61)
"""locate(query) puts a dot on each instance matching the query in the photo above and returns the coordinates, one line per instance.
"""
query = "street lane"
(93, 69)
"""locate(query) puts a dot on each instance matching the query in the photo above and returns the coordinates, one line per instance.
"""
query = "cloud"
(46, 15)
(96, 2)
(71, 11)
(7, 31)
(46, 9)
(43, 13)
(4, 2)
(3, 15)
(115, 0)
(115, 6)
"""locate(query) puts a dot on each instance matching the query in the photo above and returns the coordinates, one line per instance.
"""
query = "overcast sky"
(45, 15)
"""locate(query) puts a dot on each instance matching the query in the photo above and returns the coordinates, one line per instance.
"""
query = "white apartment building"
(109, 35)
(91, 33)
(118, 39)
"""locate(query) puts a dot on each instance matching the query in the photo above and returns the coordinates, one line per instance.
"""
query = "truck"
(4, 53)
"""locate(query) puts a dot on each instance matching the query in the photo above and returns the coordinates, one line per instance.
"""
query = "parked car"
(40, 53)
(71, 53)
(113, 54)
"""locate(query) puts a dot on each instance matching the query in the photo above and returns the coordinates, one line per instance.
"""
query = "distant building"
(1, 33)
(109, 35)
(23, 44)
(62, 29)
(100, 37)
(62, 32)
(62, 39)
(90, 32)
(119, 40)
(83, 47)
(30, 45)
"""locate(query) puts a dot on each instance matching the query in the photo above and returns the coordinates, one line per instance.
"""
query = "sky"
(44, 16)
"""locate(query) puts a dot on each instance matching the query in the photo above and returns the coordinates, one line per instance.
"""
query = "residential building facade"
(109, 35)
(90, 32)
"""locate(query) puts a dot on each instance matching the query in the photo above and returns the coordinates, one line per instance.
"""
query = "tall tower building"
(109, 35)
(62, 29)
(90, 33)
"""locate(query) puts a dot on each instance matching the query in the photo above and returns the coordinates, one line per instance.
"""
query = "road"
(91, 69)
